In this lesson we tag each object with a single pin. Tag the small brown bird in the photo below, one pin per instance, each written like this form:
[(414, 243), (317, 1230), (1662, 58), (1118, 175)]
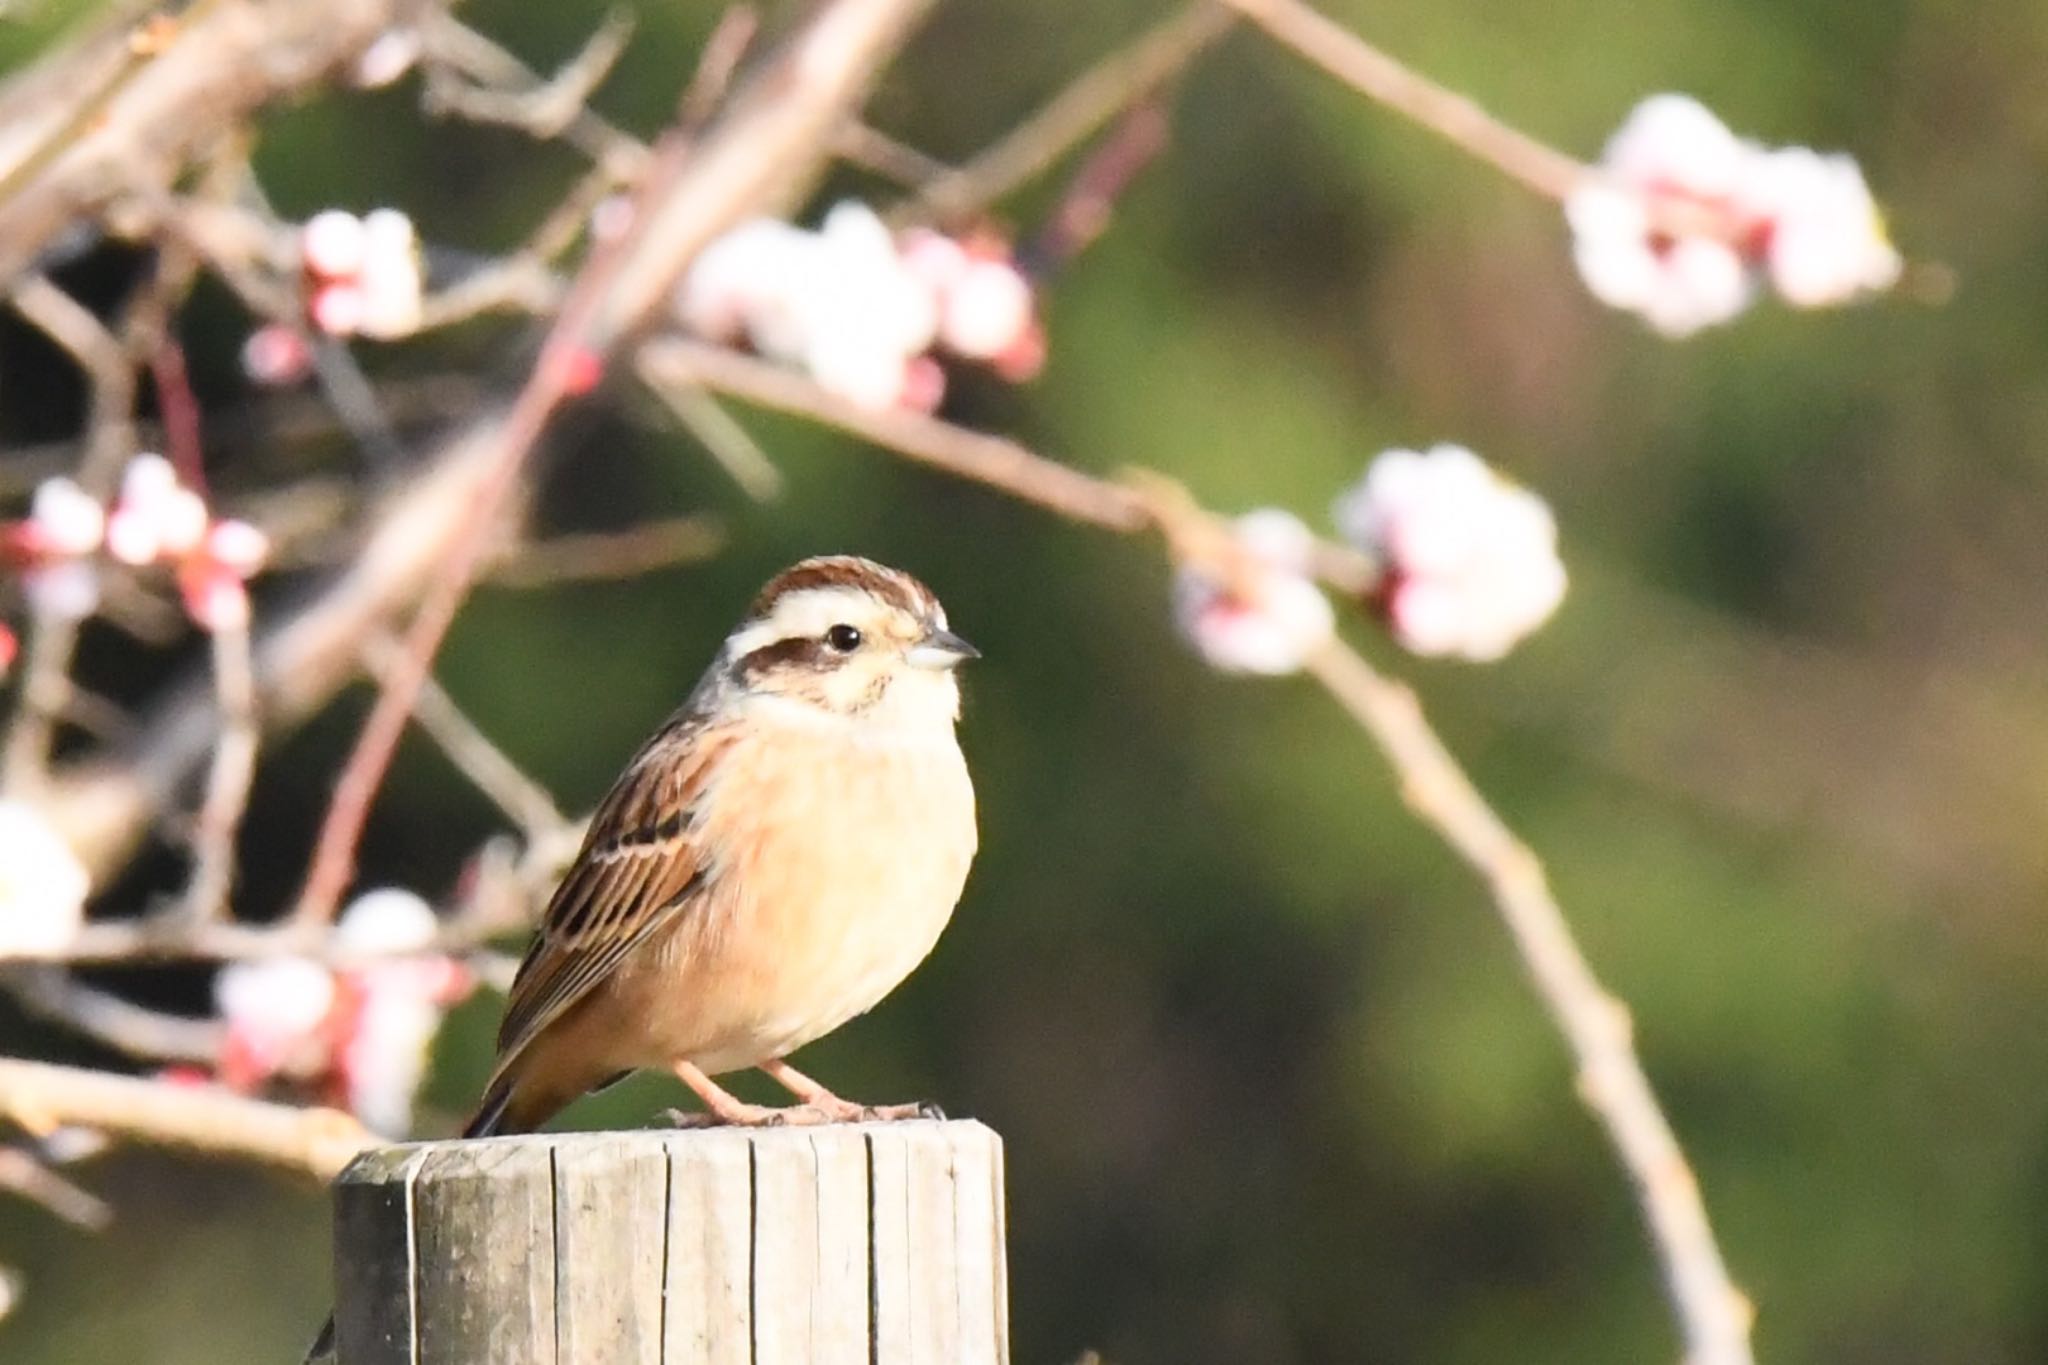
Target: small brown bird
[(774, 860)]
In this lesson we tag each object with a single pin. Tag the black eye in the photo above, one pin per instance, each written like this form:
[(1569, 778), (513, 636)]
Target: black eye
[(845, 639)]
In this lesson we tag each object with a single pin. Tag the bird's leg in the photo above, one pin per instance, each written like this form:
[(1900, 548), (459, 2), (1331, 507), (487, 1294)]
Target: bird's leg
[(727, 1107), (817, 1097)]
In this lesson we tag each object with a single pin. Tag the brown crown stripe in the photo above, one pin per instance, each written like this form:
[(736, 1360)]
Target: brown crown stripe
[(893, 586)]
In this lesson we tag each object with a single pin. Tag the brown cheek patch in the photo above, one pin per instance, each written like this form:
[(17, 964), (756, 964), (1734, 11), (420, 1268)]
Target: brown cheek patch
[(799, 651)]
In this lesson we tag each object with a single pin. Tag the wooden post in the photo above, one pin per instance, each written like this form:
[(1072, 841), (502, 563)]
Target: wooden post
[(850, 1244)]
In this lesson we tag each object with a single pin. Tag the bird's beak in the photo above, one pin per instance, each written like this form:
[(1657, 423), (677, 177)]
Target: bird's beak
[(941, 649)]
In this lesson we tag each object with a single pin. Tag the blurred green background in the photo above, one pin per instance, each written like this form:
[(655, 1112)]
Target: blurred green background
[(1273, 1086)]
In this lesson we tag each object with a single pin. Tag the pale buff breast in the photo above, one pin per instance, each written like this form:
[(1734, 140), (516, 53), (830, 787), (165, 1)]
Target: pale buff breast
[(816, 914)]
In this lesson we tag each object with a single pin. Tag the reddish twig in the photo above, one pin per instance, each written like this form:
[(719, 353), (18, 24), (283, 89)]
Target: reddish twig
[(179, 408)]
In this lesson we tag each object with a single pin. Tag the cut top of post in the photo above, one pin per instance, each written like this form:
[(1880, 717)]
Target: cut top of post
[(856, 1244)]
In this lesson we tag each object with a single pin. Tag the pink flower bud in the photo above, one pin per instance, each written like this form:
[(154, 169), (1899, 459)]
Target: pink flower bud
[(275, 355), (338, 309), (214, 597), (237, 546)]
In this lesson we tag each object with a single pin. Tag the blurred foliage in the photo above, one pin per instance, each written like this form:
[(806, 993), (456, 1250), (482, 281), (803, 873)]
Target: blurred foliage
[(1272, 1085)]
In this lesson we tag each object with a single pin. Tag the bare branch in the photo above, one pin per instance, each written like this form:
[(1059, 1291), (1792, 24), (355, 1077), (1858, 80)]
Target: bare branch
[(717, 431), (106, 118), (22, 1174), (123, 1025), (524, 800), (1121, 80), (869, 148), (38, 1097), (509, 92), (514, 98), (597, 555), (1713, 1314), (227, 787), (1459, 120)]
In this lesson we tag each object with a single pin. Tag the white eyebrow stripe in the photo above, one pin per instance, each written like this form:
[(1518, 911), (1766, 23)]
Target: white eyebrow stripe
[(810, 612)]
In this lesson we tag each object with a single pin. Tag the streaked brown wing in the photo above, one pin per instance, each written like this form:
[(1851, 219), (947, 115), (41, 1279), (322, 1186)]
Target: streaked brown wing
[(638, 868)]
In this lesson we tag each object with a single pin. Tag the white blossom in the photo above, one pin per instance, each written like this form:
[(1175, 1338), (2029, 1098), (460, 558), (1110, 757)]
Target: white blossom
[(1683, 220), (387, 921), (156, 517), (1825, 243), (1469, 559), (43, 885), (1266, 621), (67, 519), (276, 1012), (1678, 286), (365, 275)]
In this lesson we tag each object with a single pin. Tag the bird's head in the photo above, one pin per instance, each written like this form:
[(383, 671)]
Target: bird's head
[(844, 636)]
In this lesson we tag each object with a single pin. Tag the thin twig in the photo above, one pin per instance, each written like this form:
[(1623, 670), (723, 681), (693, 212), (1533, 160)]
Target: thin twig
[(736, 452), (594, 556), (511, 92), (1123, 79), (524, 800), (871, 149), (46, 672), (121, 1024), (993, 460), (29, 1178), (227, 785), (1713, 1314), (1324, 43), (1083, 212), (38, 1098)]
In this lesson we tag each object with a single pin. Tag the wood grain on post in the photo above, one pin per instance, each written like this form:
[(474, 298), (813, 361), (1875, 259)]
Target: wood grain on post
[(863, 1244)]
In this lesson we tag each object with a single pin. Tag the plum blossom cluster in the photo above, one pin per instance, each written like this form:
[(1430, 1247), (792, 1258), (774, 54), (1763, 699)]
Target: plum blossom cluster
[(865, 312), (1468, 567), (1468, 559), (156, 521), (356, 1036), (1685, 221), (1263, 614), (43, 885), (362, 274)]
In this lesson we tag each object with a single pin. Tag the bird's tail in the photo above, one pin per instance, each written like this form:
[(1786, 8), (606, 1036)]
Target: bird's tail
[(490, 1120)]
